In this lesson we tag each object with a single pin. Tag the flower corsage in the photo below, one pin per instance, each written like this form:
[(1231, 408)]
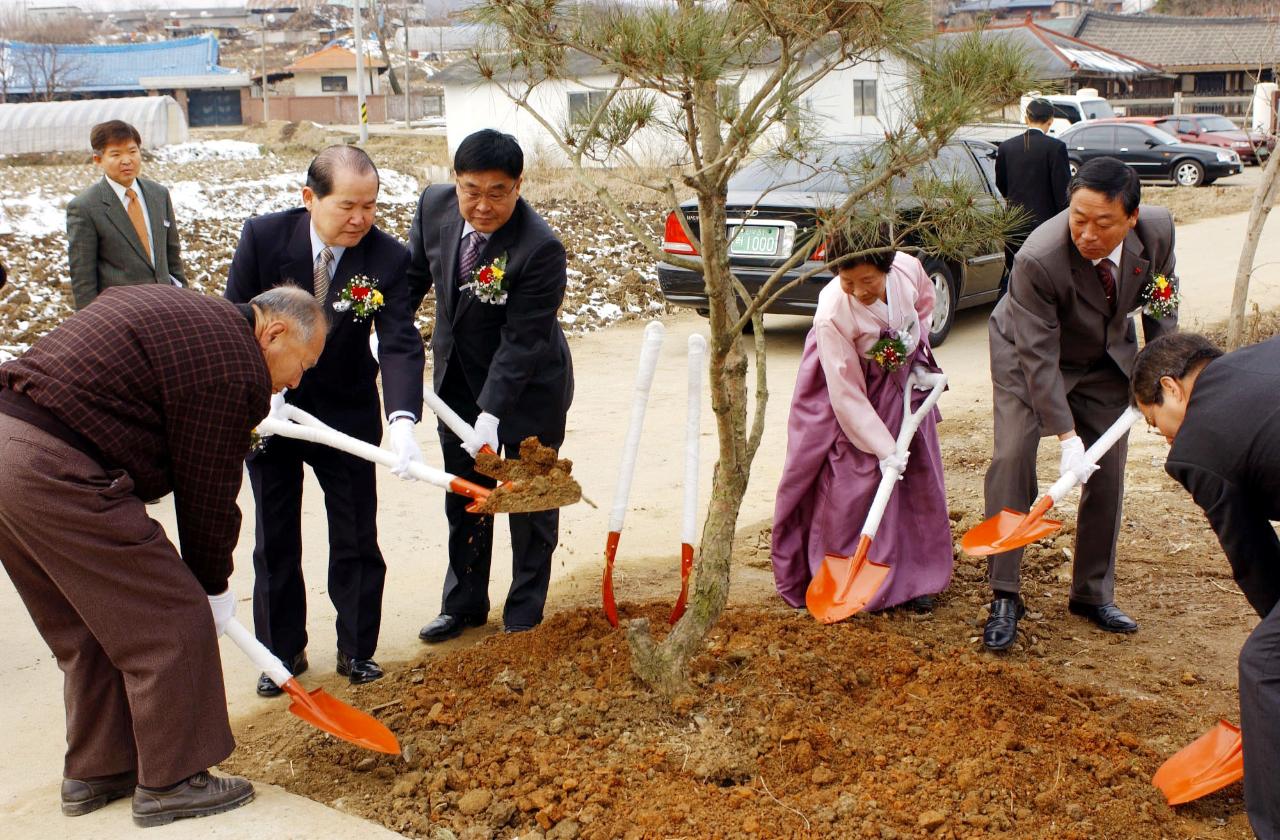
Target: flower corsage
[(1160, 296), (361, 296), (890, 353), (257, 443), (488, 282)]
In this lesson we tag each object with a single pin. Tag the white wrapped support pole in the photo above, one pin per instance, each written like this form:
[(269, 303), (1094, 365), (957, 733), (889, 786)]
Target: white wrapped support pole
[(649, 349), (692, 426)]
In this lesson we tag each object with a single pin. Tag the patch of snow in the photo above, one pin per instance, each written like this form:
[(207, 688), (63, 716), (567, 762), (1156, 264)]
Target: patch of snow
[(208, 150)]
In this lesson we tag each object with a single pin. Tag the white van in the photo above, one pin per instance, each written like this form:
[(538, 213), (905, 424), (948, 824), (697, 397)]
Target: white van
[(1071, 108)]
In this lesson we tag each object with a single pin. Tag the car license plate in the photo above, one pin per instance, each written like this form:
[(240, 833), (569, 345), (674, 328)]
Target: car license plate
[(754, 240)]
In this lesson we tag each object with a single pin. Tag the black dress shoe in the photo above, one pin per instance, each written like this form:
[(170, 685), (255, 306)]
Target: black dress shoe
[(444, 627), (202, 795), (83, 796), (359, 671), (1002, 625), (297, 666), (921, 605), (1107, 616)]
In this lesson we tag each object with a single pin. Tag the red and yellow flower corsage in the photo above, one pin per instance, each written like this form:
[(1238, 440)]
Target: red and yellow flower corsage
[(1160, 296), (488, 282), (361, 296)]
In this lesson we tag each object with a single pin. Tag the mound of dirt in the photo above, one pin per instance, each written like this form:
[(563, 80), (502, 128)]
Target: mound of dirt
[(797, 730)]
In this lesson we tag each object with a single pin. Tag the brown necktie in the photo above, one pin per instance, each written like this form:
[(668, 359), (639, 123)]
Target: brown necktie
[(139, 223), (321, 274), (1107, 279)]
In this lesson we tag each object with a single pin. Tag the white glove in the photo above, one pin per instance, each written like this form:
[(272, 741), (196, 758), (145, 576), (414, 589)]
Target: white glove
[(486, 434), (894, 461), (924, 380), (1073, 460), (224, 608), (405, 446), (277, 405)]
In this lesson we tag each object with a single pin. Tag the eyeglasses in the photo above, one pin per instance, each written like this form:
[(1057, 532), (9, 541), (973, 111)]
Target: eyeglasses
[(494, 194)]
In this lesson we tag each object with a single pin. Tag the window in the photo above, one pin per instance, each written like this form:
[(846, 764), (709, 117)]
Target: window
[(335, 84), (954, 163), (864, 97), (1093, 138), (1130, 138), (583, 104)]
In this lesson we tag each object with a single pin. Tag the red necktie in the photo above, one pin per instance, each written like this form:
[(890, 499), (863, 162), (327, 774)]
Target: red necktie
[(1107, 279)]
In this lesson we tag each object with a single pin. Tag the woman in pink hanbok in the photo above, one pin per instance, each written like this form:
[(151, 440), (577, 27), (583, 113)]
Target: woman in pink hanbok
[(842, 433)]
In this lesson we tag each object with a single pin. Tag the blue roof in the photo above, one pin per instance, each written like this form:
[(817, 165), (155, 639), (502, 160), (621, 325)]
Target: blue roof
[(90, 68)]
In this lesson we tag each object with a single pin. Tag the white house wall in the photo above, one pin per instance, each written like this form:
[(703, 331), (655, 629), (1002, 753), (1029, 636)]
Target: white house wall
[(307, 83)]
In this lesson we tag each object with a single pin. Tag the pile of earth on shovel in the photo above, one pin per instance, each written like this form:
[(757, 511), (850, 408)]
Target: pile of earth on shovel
[(792, 729)]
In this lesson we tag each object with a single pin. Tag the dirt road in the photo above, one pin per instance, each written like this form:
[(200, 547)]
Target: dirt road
[(413, 530)]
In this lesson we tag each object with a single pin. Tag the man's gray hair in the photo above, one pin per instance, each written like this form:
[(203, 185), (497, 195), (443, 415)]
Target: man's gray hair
[(294, 304)]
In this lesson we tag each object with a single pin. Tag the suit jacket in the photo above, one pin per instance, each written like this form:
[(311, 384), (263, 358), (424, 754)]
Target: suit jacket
[(165, 384), (342, 388), (513, 356), (1227, 454), (1055, 324), (1032, 172), (104, 250)]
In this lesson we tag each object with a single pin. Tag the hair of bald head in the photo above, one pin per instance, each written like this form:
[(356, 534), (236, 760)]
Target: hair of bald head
[(323, 170), (294, 305)]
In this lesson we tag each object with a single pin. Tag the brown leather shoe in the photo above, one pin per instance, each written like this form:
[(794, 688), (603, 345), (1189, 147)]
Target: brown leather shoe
[(83, 796), (202, 795)]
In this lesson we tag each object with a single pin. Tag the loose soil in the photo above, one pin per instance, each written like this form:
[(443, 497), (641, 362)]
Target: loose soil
[(892, 725), (538, 480)]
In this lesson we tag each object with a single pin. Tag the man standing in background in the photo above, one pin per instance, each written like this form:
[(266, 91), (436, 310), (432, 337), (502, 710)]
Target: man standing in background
[(1032, 172), (121, 230)]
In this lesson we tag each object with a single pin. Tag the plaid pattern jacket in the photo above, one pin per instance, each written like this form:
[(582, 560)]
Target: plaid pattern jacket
[(167, 384)]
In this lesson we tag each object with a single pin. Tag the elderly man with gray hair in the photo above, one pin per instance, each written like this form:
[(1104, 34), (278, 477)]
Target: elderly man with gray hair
[(148, 391)]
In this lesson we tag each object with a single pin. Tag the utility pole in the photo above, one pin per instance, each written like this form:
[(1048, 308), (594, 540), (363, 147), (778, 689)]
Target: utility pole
[(363, 114), (405, 20), (264, 17)]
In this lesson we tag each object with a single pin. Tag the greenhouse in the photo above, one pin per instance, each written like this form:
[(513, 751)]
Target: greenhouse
[(36, 127)]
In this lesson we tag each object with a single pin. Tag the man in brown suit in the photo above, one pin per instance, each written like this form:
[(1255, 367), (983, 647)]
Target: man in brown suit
[(121, 231), (1063, 343), (151, 390)]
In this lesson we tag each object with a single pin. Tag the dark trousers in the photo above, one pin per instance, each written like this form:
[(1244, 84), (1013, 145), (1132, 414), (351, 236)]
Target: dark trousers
[(356, 568), (1260, 725), (533, 535), (1096, 401), (125, 618)]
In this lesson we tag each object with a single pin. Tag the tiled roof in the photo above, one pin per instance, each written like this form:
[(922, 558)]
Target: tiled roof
[(1171, 42), (333, 57), (89, 68), (1058, 56)]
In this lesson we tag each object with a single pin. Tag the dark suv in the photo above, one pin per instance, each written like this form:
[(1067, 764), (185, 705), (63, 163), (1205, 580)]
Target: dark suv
[(772, 212), (1149, 151)]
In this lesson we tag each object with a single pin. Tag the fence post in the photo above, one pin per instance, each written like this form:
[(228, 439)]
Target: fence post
[(1177, 102)]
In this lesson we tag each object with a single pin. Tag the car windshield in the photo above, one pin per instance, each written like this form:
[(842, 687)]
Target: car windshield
[(830, 170), (1097, 109), (1216, 124)]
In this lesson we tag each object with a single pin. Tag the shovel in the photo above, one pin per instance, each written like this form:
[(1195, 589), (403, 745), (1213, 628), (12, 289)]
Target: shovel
[(316, 707), (653, 334), (302, 426), (845, 585), (1010, 529), (692, 421), (1209, 763)]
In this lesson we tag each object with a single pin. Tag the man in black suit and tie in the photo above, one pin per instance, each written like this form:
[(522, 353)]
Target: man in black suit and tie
[(1221, 416), (121, 231), (324, 247), (1032, 172), (501, 362)]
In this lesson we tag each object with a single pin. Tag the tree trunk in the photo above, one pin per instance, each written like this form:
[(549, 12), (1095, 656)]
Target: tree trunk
[(664, 665), (378, 22), (1263, 198)]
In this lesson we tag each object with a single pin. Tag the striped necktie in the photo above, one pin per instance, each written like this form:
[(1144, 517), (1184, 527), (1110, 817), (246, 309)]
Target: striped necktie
[(471, 248), (321, 274)]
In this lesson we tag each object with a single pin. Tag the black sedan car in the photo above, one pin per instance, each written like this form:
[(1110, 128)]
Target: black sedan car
[(772, 213), (1150, 151)]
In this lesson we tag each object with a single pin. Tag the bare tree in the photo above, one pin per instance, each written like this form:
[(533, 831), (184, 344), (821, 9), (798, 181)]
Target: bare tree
[(721, 83), (49, 70), (382, 32)]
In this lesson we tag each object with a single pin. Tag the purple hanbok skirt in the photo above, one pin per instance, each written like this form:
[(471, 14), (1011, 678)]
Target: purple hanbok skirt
[(828, 485)]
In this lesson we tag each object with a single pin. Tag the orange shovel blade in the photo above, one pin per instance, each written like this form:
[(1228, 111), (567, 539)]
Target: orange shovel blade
[(323, 711), (686, 566), (844, 585), (610, 552), (1008, 530), (1209, 763)]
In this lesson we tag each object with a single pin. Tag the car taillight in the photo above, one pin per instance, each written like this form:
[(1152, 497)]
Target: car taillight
[(674, 240), (820, 253)]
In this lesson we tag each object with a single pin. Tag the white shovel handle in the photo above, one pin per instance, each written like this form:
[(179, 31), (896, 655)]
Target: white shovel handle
[(653, 334), (1117, 430), (910, 422), (456, 424), (693, 421), (257, 652), (312, 430)]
